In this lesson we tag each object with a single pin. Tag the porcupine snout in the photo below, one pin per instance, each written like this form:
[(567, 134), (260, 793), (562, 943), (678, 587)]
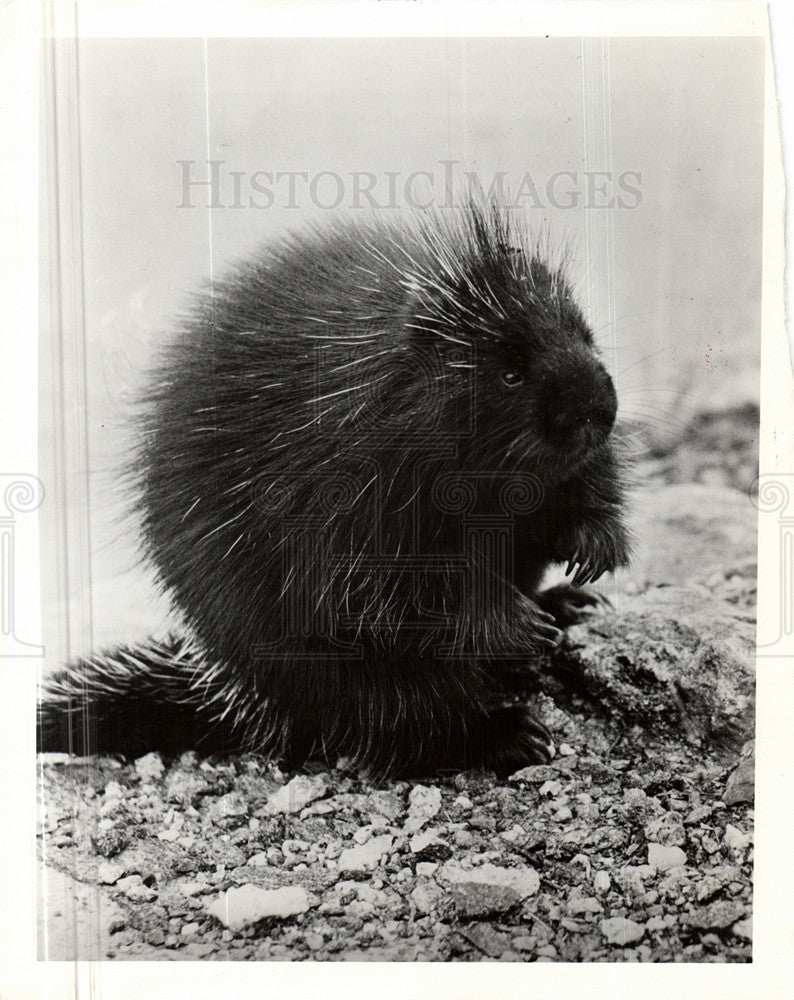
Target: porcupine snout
[(580, 404)]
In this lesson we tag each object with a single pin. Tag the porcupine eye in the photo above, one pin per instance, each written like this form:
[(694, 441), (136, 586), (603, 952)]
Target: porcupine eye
[(512, 378)]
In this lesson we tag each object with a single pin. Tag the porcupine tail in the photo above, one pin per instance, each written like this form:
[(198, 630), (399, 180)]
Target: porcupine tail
[(156, 695)]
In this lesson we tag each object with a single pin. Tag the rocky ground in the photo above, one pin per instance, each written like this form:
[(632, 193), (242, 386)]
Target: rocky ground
[(635, 844)]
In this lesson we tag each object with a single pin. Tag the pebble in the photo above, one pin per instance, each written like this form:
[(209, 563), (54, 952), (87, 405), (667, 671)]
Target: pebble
[(421, 841), (734, 839), (198, 949), (424, 803), (463, 802), (133, 888), (425, 869), (621, 931), (248, 904), (601, 883), (740, 786), (109, 873), (427, 897), (563, 815), (150, 767), (525, 881), (535, 774), (514, 834), (667, 829), (717, 916), (258, 860), (698, 814), (524, 942), (296, 794), (663, 858), (577, 907), (475, 900), (744, 929), (365, 856), (489, 941)]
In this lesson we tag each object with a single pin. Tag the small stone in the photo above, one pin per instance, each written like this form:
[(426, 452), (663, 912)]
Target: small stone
[(535, 774), (525, 881), (248, 904), (717, 916), (367, 856), (199, 949), (740, 786), (109, 843), (546, 951), (193, 888), (258, 860), (664, 858), (744, 929), (314, 941), (424, 803), (113, 790), (734, 839), (551, 788), (563, 815), (667, 829), (476, 901), (422, 840), (487, 939), (190, 930), (296, 794), (601, 883), (133, 888), (108, 873), (463, 802), (620, 931), (566, 750), (463, 838), (656, 924), (577, 907), (524, 942), (698, 814), (150, 767), (425, 869), (514, 834), (427, 897)]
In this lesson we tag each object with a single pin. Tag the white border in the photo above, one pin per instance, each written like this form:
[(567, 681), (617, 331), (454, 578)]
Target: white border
[(770, 975)]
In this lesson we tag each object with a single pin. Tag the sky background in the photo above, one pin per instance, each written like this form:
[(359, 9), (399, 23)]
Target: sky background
[(684, 114)]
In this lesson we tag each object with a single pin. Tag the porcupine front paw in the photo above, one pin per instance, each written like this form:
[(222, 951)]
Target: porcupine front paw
[(569, 605), (538, 626), (596, 549), (514, 739)]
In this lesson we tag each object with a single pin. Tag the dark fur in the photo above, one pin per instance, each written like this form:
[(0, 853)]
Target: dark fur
[(352, 507)]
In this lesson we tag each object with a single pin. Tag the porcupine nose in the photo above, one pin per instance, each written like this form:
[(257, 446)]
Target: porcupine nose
[(603, 408), (583, 407)]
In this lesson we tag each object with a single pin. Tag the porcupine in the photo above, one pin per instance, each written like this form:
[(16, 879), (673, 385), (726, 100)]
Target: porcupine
[(356, 462)]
